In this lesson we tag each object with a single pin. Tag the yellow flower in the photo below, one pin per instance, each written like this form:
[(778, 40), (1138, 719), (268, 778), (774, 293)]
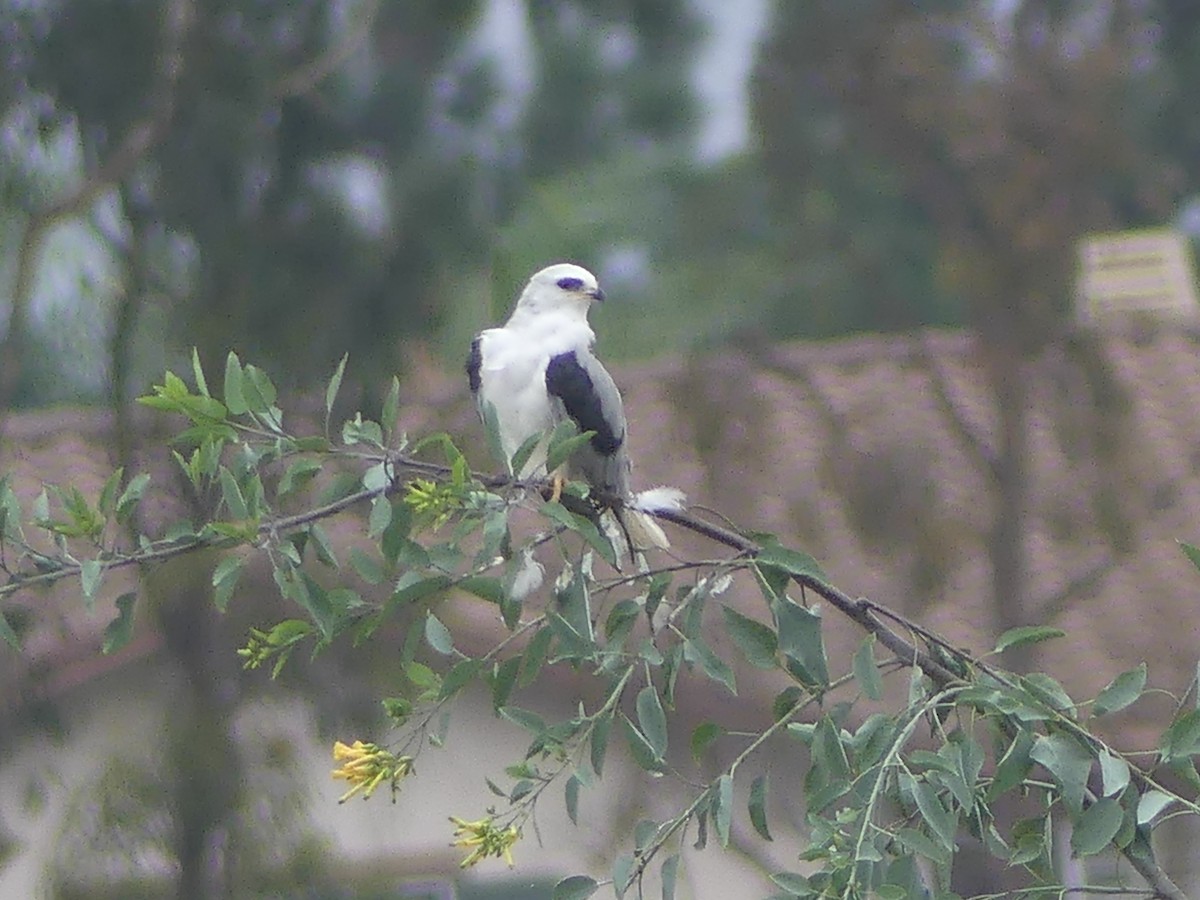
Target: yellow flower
[(485, 839), (366, 766), (432, 503)]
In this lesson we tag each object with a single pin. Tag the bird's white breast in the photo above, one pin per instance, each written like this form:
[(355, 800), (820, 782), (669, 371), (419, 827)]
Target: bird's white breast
[(512, 376)]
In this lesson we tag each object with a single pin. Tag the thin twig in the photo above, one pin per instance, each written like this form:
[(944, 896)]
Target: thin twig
[(304, 78)]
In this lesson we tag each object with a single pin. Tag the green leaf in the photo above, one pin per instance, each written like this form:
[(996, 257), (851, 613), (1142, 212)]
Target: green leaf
[(331, 391), (575, 887), (640, 747), (376, 478), (313, 599), (1068, 762), (621, 619), (703, 735), (865, 670), (522, 454), (322, 546), (421, 675), (1121, 691), (1045, 689), (413, 587), (923, 845), (485, 587), (235, 402), (395, 539), (571, 796), (534, 657), (108, 493), (574, 606), (793, 883), (956, 777), (723, 808), (758, 807), (701, 828), (670, 871), (380, 517), (1182, 738), (361, 431), (652, 720), (438, 636), (712, 665), (461, 674), (258, 392), (1095, 829), (91, 571), (942, 823), (231, 493), (120, 630), (586, 529), (131, 496), (793, 562), (756, 641), (561, 447), (369, 568), (198, 374), (7, 633), (644, 833), (599, 742), (925, 759), (828, 752), (872, 740), (1151, 804), (504, 678), (390, 414), (800, 638), (524, 718), (224, 580), (622, 870), (1030, 840), (1191, 552), (786, 701), (1027, 634), (1114, 772), (1185, 769)]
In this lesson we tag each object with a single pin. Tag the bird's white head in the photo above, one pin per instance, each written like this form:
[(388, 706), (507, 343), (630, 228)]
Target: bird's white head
[(561, 287)]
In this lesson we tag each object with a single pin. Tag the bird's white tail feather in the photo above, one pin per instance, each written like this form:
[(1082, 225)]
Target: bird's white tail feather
[(643, 532), (634, 527), (659, 499)]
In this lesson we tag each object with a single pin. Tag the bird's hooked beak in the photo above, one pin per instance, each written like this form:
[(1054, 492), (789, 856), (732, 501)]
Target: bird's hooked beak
[(596, 294)]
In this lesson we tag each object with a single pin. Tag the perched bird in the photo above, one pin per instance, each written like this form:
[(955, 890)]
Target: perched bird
[(538, 370)]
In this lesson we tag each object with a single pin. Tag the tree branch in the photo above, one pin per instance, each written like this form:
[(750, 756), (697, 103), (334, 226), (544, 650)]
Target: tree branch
[(304, 78), (859, 611), (973, 440), (140, 138)]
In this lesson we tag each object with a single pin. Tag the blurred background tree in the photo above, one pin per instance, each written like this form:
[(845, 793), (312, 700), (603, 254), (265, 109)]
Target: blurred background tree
[(295, 179), (311, 175)]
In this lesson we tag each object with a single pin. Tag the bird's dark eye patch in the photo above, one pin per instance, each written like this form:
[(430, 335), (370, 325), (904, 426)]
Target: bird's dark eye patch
[(570, 284)]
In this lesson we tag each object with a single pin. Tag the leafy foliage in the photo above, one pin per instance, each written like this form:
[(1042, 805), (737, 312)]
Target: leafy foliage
[(890, 783)]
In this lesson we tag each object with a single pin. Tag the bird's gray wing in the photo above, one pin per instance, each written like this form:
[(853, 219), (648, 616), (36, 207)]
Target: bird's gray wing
[(584, 392), (474, 364)]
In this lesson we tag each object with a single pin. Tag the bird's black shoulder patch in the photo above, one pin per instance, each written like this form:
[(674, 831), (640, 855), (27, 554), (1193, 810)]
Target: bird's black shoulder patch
[(474, 363), (567, 380)]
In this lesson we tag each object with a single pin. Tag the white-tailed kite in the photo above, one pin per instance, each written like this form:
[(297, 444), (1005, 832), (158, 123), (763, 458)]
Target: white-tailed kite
[(538, 370)]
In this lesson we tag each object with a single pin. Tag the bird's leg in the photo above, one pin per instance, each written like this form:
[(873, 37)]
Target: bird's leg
[(557, 480)]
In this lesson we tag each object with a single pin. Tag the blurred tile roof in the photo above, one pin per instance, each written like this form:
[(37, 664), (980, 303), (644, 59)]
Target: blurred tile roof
[(869, 453)]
